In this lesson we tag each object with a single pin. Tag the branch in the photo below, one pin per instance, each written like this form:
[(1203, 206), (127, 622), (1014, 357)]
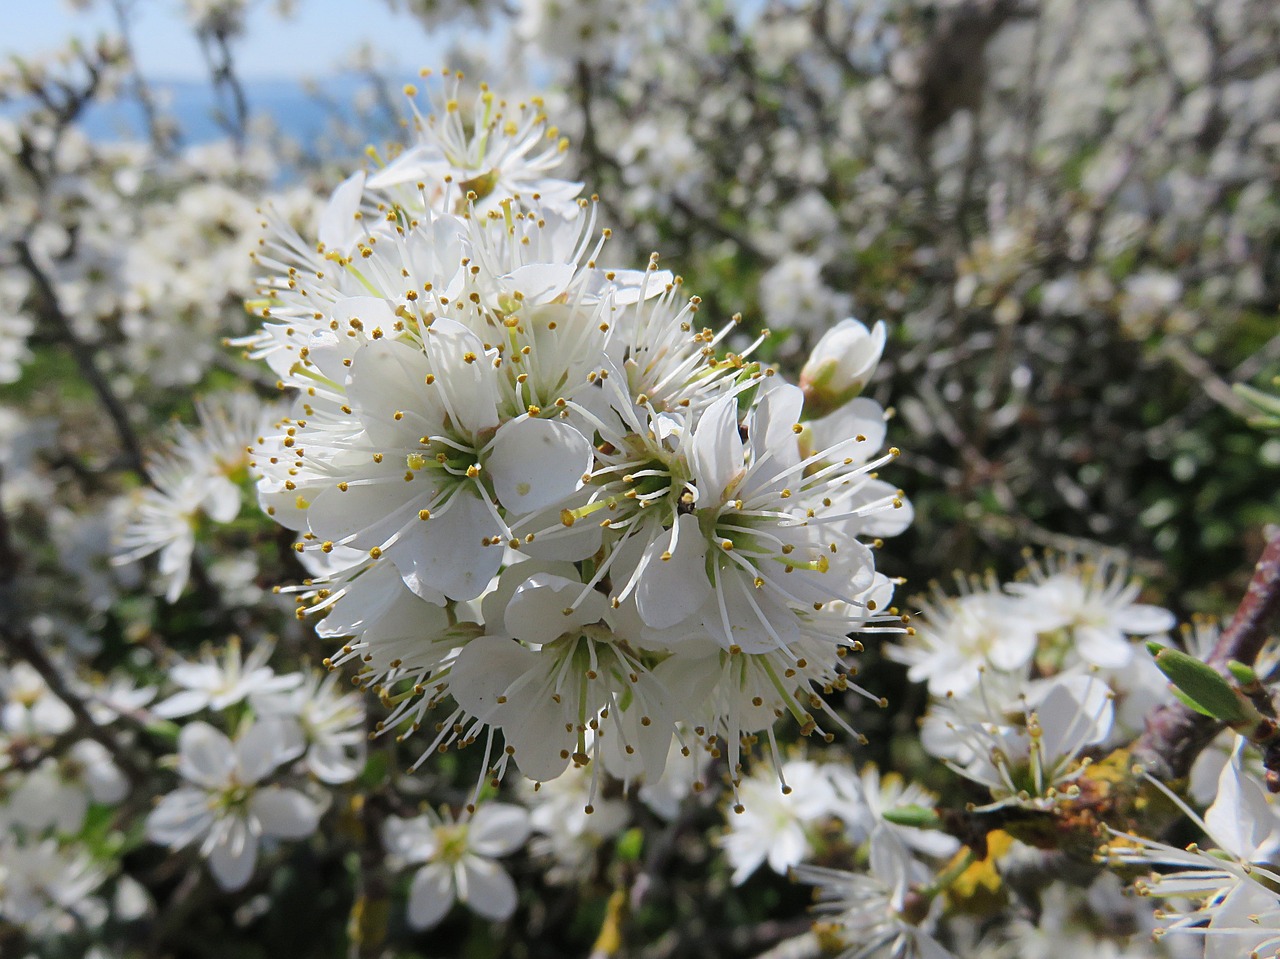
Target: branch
[(1176, 734), (52, 308)]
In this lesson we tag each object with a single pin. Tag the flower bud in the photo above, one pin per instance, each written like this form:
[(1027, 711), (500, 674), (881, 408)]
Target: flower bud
[(840, 365)]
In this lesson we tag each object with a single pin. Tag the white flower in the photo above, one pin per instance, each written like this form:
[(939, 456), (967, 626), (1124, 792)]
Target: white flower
[(330, 721), (840, 365), (458, 858), (45, 888), (564, 831), (793, 295), (1227, 894), (490, 148), (1035, 761), (774, 814), (955, 639), (217, 685), (29, 707), (225, 807), (1095, 602), (864, 799), (880, 913), (194, 477)]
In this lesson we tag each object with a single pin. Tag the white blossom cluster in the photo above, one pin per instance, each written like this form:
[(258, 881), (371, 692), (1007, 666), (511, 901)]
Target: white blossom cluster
[(1024, 678), (552, 512)]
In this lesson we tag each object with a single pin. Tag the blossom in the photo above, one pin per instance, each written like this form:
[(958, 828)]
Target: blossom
[(330, 723), (489, 149), (217, 685), (840, 365), (458, 860), (225, 807), (774, 814), (881, 912), (1034, 761), (955, 639), (1095, 602)]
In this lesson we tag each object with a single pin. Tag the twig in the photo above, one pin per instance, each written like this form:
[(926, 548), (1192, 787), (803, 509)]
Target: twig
[(52, 308)]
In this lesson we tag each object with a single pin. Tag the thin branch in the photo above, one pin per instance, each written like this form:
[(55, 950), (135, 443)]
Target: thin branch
[(52, 308)]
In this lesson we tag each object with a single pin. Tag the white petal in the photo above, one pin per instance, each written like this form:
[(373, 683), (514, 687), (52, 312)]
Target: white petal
[(1240, 819), (232, 860), (498, 829), (285, 813), (388, 377), (484, 670), (338, 227), (447, 553), (430, 895), (1103, 647), (412, 840), (717, 451), (538, 282), (536, 613), (182, 704), (180, 818), (1143, 620), (260, 748), (537, 463), (670, 590), (205, 756), (489, 890), (468, 387)]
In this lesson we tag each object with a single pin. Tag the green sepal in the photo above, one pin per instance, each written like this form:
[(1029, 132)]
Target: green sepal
[(1203, 685)]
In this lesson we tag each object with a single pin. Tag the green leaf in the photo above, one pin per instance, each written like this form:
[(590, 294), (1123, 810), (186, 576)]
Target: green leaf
[(919, 817), (1203, 685)]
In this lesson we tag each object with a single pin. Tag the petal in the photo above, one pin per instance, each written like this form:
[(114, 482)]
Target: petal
[(1103, 647), (674, 583), (489, 890), (1240, 819), (260, 749), (1143, 620), (536, 613), (717, 451), (338, 227), (537, 463), (485, 670), (285, 813), (465, 380), (205, 756), (498, 829), (387, 378), (448, 551), (430, 895), (182, 704), (232, 860), (180, 818)]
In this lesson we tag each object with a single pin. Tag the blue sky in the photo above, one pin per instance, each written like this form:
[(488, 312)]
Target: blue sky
[(312, 43)]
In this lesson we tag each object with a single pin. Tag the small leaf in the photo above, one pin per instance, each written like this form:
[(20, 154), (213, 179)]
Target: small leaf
[(1244, 675), (919, 817), (1203, 685)]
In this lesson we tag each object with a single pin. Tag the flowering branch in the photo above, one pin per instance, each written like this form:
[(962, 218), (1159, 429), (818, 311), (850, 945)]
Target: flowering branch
[(1175, 734)]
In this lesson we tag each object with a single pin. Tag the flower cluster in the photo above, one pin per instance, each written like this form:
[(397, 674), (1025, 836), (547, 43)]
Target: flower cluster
[(543, 502)]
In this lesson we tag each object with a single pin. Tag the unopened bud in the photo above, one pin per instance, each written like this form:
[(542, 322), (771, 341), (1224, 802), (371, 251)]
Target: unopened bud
[(840, 365)]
